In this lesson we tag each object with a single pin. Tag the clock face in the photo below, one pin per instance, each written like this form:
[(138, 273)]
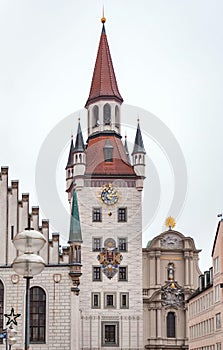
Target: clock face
[(109, 195)]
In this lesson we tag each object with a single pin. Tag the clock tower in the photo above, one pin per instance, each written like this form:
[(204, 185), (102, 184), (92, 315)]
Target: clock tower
[(108, 190)]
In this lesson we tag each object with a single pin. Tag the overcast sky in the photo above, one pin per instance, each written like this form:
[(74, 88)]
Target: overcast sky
[(168, 59)]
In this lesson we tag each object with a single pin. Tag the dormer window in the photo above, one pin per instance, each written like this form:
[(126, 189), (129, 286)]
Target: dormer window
[(108, 151), (107, 114)]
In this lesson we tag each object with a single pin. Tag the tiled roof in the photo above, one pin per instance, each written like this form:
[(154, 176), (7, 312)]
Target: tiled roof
[(95, 163), (104, 84)]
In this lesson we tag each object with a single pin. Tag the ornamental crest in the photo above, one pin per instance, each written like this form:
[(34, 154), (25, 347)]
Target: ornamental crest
[(172, 295), (110, 258)]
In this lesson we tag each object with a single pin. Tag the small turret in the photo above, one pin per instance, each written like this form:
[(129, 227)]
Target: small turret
[(79, 159), (75, 240), (69, 167), (127, 149), (138, 157)]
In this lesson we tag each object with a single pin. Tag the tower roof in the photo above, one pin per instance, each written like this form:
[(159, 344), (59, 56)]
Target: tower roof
[(95, 162), (79, 143), (75, 227), (70, 157), (138, 145), (104, 84)]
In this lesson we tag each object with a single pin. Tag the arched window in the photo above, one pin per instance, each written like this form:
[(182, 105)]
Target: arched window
[(95, 116), (1, 308), (37, 315), (107, 114), (117, 117), (170, 323)]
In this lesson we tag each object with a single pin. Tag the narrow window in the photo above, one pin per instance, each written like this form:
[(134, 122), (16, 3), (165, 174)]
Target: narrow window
[(122, 243), (216, 265), (122, 276), (107, 114), (124, 300), (95, 116), (96, 303), (171, 325), (96, 273), (117, 117), (12, 232), (96, 244), (37, 315), (218, 320), (122, 214), (96, 215)]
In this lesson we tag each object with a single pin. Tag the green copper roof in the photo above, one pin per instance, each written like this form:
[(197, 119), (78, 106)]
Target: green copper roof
[(75, 227)]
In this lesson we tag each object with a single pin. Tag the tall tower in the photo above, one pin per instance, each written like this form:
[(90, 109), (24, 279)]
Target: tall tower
[(109, 194)]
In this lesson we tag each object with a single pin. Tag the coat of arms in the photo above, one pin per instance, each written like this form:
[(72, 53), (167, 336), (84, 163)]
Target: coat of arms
[(110, 258)]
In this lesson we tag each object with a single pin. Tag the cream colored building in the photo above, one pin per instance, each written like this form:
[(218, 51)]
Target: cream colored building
[(205, 305), (170, 276)]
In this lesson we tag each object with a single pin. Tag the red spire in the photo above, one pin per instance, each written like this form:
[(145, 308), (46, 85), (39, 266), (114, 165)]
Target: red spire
[(104, 84)]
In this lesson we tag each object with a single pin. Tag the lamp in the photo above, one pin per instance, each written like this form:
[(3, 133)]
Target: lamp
[(27, 265)]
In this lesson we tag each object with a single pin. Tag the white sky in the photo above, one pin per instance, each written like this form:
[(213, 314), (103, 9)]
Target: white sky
[(168, 60)]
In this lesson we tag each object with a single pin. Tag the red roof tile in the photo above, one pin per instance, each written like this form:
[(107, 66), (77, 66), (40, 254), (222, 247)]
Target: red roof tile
[(95, 163), (104, 84)]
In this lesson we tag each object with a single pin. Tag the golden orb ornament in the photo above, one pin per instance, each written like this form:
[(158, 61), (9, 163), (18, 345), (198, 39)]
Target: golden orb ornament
[(103, 20), (170, 222)]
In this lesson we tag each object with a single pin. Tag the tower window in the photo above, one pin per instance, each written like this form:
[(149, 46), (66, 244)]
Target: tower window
[(97, 215), (117, 117), (96, 244), (95, 300), (122, 244), (95, 116), (109, 300), (171, 325), (124, 300), (96, 273), (123, 273), (122, 214), (37, 315), (107, 114)]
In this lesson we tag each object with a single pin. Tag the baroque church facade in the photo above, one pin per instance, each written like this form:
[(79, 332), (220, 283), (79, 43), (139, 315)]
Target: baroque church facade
[(103, 290)]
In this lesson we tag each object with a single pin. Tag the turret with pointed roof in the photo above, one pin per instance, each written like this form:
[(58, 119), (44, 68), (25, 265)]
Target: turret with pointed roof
[(104, 99), (138, 154), (75, 227)]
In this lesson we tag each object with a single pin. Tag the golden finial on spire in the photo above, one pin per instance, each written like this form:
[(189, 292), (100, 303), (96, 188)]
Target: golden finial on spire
[(103, 19), (170, 222)]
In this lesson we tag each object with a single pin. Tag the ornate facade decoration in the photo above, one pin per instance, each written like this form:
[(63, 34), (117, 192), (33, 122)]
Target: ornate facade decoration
[(171, 241), (110, 258), (172, 295)]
